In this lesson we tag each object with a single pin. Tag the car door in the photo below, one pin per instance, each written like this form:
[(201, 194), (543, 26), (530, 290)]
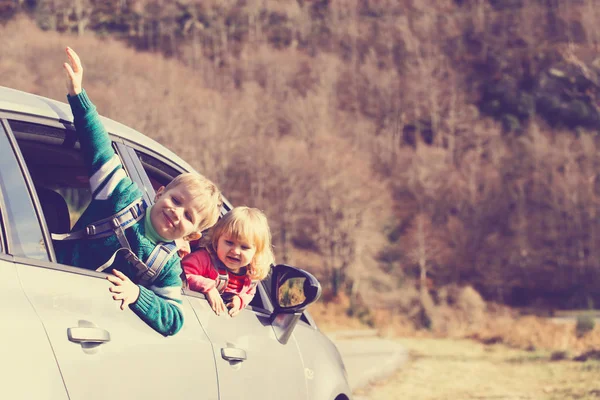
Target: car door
[(250, 361), (102, 352), (247, 350), (25, 352)]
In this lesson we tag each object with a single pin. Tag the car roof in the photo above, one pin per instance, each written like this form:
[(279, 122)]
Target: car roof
[(20, 102)]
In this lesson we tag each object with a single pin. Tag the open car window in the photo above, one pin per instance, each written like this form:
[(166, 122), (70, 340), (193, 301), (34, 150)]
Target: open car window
[(55, 164)]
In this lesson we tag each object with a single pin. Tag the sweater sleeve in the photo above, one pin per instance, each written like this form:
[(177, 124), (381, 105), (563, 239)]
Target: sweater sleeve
[(160, 305), (199, 271), (103, 165)]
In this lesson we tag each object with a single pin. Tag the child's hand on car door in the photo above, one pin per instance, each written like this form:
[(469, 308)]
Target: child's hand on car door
[(124, 289), (235, 305), (74, 72), (216, 302)]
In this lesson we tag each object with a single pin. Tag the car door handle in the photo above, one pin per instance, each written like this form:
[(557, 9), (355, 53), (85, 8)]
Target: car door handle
[(88, 335), (233, 354)]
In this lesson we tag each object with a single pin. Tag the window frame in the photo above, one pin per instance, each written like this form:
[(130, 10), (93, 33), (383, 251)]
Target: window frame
[(51, 263)]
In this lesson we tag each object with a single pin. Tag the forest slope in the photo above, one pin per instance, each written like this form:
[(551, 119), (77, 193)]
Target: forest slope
[(402, 149)]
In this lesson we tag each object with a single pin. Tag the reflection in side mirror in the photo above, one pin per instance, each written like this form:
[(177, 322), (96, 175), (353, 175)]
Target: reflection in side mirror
[(293, 290)]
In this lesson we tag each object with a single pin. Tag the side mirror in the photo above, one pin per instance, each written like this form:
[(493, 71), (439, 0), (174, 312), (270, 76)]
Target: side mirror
[(292, 290)]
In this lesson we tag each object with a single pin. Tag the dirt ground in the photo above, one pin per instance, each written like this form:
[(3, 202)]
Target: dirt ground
[(464, 369)]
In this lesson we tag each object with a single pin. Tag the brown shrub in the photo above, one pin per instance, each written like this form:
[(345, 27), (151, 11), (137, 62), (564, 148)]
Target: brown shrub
[(459, 312), (535, 332), (472, 305)]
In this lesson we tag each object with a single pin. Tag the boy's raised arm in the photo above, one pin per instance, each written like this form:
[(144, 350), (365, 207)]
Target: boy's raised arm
[(95, 143)]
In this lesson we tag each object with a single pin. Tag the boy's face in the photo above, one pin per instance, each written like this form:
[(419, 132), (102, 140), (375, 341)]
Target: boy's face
[(174, 214), (235, 254)]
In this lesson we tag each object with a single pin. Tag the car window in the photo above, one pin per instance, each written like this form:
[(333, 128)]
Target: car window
[(55, 164), (25, 238), (159, 173)]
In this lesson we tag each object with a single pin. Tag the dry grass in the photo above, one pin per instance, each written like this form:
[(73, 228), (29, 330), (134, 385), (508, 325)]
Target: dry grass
[(538, 333), (524, 358), (331, 316), (461, 369), (497, 325)]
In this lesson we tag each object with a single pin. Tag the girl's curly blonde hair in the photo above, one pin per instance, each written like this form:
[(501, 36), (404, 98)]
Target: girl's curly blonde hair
[(246, 224)]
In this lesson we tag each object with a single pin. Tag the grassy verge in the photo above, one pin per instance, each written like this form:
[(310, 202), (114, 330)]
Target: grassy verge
[(464, 369)]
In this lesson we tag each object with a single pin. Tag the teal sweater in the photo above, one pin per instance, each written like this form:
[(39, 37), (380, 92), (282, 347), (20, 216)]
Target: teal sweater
[(112, 190)]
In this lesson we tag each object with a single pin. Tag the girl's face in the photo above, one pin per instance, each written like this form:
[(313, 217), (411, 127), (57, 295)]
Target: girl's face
[(235, 254)]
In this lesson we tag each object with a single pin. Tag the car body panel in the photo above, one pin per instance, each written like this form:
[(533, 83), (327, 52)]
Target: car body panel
[(33, 372), (251, 332), (128, 363), (325, 371)]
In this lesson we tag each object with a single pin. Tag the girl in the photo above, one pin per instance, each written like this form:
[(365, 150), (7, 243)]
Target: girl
[(236, 255)]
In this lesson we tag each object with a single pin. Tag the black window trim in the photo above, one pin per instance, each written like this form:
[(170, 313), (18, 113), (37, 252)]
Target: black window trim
[(35, 119)]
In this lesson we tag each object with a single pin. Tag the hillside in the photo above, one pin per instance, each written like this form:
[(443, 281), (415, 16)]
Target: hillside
[(402, 150)]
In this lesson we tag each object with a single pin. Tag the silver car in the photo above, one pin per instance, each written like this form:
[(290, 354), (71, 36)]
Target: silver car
[(65, 338)]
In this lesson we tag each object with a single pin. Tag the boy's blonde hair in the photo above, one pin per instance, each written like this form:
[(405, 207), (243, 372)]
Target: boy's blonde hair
[(206, 194), (251, 225)]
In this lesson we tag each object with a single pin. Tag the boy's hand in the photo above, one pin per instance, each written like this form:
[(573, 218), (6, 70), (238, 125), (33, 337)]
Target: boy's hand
[(126, 291), (74, 72), (235, 306), (215, 301)]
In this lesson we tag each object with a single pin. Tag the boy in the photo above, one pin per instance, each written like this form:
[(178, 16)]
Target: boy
[(188, 205)]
